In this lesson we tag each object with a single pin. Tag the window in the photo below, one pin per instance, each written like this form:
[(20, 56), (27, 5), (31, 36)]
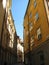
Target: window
[(32, 40), (36, 16), (11, 44), (35, 3), (39, 36), (30, 16), (30, 26)]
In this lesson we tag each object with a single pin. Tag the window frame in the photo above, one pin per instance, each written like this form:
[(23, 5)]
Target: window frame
[(30, 26), (32, 40), (35, 3), (39, 33), (30, 15), (36, 16)]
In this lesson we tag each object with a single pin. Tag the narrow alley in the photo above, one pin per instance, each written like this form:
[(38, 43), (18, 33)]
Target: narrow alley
[(24, 32)]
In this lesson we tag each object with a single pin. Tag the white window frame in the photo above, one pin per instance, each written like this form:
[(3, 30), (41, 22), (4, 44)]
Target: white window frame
[(38, 32), (32, 40), (30, 26)]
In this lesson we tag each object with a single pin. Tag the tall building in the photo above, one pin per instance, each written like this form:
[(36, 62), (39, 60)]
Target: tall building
[(36, 32), (8, 36)]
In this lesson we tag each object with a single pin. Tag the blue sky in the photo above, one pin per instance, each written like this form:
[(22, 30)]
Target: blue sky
[(18, 12)]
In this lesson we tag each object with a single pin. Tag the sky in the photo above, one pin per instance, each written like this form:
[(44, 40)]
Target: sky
[(18, 12)]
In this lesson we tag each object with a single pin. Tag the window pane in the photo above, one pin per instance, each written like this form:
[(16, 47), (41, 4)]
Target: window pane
[(39, 36), (36, 16), (38, 31), (30, 26), (30, 16), (32, 40), (35, 4)]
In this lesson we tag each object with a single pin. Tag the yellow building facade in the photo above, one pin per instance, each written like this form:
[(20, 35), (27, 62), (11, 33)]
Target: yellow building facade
[(36, 25)]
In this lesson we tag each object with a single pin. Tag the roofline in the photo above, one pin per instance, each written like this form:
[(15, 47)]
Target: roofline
[(27, 9), (13, 21)]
